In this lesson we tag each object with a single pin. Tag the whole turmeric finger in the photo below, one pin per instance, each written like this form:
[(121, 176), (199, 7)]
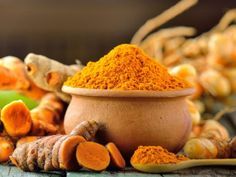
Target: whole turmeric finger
[(6, 148), (117, 160), (92, 156), (87, 129), (27, 139), (16, 118), (67, 156)]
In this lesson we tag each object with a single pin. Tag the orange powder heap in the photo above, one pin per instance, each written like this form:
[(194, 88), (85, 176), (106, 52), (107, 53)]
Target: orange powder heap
[(126, 67), (155, 155)]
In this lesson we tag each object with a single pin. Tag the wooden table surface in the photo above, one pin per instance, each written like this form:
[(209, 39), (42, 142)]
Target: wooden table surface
[(11, 171)]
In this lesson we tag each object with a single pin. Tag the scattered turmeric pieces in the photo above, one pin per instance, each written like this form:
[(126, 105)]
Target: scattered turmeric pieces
[(126, 67), (16, 119), (155, 155)]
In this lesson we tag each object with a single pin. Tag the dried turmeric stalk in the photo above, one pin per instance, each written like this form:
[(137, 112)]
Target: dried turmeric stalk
[(16, 118), (6, 148), (92, 156)]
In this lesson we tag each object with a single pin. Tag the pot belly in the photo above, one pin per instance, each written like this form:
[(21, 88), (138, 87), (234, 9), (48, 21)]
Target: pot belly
[(130, 122)]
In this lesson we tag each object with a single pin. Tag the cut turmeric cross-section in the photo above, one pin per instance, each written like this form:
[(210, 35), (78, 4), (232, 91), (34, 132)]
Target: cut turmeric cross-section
[(92, 156), (16, 118)]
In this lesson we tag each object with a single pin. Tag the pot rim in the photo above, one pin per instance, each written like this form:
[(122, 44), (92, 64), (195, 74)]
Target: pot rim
[(126, 93)]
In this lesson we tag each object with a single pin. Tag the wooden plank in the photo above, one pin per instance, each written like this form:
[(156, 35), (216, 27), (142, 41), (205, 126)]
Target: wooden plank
[(11, 171), (127, 173)]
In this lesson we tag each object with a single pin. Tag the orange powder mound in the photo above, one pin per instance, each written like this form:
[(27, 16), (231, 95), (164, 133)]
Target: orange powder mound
[(126, 67), (155, 155)]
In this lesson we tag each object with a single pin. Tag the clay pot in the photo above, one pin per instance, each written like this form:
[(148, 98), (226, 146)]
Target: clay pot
[(132, 118)]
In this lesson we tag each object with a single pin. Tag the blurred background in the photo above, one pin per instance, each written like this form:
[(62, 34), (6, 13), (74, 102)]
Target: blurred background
[(86, 30)]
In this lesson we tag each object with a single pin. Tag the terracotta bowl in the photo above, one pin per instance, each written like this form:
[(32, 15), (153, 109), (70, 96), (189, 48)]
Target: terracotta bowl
[(132, 118)]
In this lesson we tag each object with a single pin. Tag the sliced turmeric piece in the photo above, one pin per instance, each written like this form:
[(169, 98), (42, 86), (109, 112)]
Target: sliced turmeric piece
[(27, 139), (92, 156), (16, 118), (67, 153), (117, 160), (41, 154), (6, 148), (55, 152), (32, 155), (48, 152)]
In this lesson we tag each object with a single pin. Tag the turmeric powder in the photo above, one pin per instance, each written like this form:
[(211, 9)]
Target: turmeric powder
[(126, 67), (155, 155)]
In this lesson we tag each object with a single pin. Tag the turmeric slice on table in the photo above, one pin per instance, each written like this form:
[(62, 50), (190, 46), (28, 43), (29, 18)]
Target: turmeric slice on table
[(16, 118), (6, 148), (92, 156), (117, 160), (66, 156)]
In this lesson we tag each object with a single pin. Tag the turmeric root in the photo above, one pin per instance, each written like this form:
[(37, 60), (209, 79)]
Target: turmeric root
[(117, 160), (92, 156), (16, 119), (67, 157), (48, 74), (6, 148), (205, 148), (211, 129), (27, 139), (23, 83), (47, 117), (49, 152), (87, 129), (8, 79)]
